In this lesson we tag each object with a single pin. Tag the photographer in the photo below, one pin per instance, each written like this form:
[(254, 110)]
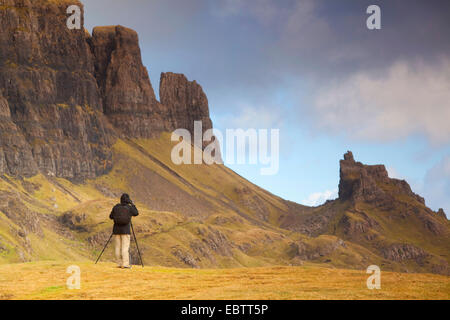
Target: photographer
[(121, 214)]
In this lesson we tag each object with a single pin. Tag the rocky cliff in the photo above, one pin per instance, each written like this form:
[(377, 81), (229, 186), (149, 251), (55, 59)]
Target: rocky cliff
[(66, 96), (128, 98), (359, 182), (188, 100), (47, 82), (382, 214)]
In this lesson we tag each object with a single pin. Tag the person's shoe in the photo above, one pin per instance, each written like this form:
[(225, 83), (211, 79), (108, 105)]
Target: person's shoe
[(120, 267), (127, 267)]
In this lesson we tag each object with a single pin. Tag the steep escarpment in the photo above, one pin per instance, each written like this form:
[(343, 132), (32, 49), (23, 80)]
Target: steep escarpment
[(66, 96), (189, 102), (129, 101), (370, 186), (47, 82), (15, 152), (128, 98), (359, 182)]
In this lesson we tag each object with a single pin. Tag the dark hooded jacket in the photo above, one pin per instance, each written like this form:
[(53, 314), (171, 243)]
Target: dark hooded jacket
[(126, 202)]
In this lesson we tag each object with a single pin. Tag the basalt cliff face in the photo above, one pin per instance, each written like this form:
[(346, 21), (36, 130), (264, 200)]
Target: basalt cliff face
[(80, 125), (47, 83), (66, 96), (188, 100), (128, 98), (359, 182)]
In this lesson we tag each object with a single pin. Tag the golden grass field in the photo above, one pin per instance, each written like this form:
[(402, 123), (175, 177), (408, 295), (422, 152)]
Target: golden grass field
[(47, 280)]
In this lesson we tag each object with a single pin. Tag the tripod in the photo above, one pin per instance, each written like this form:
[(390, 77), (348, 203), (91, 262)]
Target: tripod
[(135, 240)]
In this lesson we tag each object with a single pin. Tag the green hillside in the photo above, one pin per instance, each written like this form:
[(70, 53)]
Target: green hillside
[(194, 216)]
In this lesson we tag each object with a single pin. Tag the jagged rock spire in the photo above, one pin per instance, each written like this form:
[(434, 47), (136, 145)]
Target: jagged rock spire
[(359, 182), (349, 156)]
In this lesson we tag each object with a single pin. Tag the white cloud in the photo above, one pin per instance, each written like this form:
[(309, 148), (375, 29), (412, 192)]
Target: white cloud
[(319, 198), (408, 99), (393, 173)]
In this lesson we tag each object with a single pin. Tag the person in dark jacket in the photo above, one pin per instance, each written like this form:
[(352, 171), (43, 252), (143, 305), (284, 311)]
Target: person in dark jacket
[(121, 214)]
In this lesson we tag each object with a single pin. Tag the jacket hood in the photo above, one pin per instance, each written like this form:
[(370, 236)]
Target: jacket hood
[(125, 198)]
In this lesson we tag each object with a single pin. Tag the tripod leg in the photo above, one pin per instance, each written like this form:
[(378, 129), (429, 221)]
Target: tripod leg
[(104, 248), (137, 246)]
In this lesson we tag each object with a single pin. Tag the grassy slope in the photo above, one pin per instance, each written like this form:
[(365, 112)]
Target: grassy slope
[(47, 280), (177, 204), (139, 173)]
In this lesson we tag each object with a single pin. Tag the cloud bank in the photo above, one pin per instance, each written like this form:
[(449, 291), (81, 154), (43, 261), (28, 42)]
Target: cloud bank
[(318, 198), (406, 100)]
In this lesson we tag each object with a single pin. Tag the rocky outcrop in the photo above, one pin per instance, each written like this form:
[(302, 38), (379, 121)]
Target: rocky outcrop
[(74, 221), (66, 96), (358, 224), (319, 247), (47, 80), (441, 213), (186, 101), (184, 256), (400, 252), (377, 213), (359, 182), (128, 98), (215, 240)]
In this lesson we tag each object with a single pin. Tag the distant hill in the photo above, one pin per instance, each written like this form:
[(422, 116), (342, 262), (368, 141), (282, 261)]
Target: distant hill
[(81, 124)]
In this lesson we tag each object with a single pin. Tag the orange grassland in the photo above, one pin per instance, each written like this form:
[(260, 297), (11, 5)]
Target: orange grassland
[(47, 280)]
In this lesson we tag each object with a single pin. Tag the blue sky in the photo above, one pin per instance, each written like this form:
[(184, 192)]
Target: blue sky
[(313, 70)]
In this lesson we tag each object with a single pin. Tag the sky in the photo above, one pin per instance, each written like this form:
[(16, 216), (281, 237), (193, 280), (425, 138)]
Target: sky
[(313, 70)]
